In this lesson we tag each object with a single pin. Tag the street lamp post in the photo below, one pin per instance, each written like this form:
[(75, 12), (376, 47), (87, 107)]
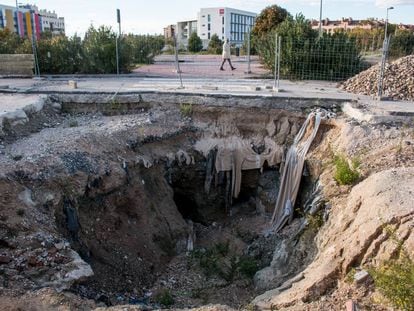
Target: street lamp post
[(386, 22), (320, 20), (17, 18)]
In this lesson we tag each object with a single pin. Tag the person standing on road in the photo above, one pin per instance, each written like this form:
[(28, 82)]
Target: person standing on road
[(226, 55)]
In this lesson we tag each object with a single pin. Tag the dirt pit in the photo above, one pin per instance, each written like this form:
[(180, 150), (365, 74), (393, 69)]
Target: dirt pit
[(126, 209)]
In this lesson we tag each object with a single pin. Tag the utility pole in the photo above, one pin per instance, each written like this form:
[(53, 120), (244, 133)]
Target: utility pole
[(118, 44), (320, 21), (17, 18), (386, 23)]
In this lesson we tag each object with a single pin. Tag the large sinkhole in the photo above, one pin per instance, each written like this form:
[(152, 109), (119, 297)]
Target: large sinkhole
[(166, 228)]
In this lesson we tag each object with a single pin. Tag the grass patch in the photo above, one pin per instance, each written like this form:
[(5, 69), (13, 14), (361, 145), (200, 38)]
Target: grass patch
[(186, 110), (73, 123), (345, 173), (164, 297), (395, 280), (248, 267), (219, 261), (315, 221)]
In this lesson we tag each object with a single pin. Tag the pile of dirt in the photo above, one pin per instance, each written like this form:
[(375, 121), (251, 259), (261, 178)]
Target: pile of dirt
[(398, 80)]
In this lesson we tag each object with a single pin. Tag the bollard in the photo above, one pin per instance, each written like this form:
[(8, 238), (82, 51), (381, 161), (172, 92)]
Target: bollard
[(73, 84)]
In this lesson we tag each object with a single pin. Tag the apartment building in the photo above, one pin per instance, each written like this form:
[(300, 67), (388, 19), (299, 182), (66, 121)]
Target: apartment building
[(28, 21), (226, 23), (346, 24), (169, 32), (184, 30)]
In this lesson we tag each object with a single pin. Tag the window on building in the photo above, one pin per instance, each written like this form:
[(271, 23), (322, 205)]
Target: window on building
[(222, 20), (209, 27), (222, 30), (208, 36), (209, 18)]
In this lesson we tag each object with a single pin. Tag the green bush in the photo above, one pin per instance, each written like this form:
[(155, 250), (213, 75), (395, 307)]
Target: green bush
[(194, 43), (394, 278), (345, 174), (186, 110), (96, 53), (164, 298), (215, 46), (305, 56), (248, 266)]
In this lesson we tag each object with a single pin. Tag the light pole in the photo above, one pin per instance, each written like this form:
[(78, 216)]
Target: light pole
[(17, 18), (320, 20), (386, 22)]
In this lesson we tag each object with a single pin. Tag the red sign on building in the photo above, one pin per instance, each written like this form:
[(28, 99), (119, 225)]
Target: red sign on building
[(221, 11)]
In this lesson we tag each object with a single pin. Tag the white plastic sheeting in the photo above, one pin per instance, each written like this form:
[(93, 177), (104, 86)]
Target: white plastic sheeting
[(292, 171)]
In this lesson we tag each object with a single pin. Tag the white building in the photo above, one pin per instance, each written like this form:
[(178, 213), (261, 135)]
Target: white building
[(226, 23), (51, 22), (184, 30)]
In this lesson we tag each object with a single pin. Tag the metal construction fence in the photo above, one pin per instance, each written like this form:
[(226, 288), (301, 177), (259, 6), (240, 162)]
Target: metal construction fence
[(327, 58)]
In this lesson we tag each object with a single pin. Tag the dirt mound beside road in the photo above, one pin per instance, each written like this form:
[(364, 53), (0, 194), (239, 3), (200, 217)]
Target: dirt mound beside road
[(398, 80)]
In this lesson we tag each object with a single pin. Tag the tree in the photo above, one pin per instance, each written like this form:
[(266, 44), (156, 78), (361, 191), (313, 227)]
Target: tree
[(305, 56), (215, 46), (9, 42), (269, 19), (402, 43), (194, 43)]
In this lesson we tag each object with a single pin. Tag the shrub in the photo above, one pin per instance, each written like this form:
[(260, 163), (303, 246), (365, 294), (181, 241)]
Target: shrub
[(194, 43), (94, 54), (395, 280), (248, 267), (345, 174), (186, 110), (164, 298), (305, 56), (215, 45)]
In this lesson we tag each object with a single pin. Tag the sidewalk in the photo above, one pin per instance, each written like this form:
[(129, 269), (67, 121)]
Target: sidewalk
[(206, 66)]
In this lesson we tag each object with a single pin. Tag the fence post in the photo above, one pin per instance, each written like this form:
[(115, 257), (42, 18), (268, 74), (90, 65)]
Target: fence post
[(177, 63), (279, 46), (275, 66), (248, 52), (385, 47), (278, 43), (117, 44), (36, 58)]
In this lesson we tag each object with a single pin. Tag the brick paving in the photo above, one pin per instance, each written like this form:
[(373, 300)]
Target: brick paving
[(203, 66)]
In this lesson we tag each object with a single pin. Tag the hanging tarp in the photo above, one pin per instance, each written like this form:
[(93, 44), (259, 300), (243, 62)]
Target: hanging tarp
[(292, 171)]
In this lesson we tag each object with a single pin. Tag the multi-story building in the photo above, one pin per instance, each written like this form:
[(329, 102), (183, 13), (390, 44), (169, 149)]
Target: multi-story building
[(52, 22), (226, 23), (184, 30), (346, 24), (169, 32), (28, 21)]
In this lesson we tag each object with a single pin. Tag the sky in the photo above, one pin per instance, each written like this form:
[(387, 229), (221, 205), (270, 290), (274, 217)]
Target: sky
[(151, 16)]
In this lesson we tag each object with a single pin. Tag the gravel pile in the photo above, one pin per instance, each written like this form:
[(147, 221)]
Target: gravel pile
[(398, 80)]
